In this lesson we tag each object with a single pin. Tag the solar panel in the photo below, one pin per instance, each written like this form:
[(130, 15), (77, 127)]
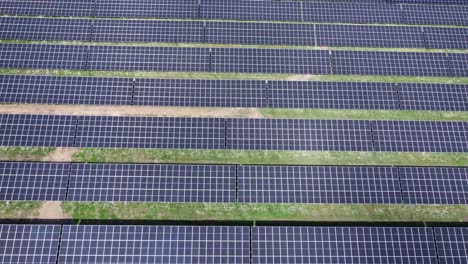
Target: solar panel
[(148, 31), (434, 185), (322, 245), (435, 15), (200, 93), (152, 183), (28, 181), (299, 134), (64, 8), (458, 62), (307, 184), (336, 95), (446, 38), (440, 2), (65, 90), (248, 60), (420, 136), (433, 97), (390, 63), (45, 29), (150, 132), (29, 243), (148, 8), (154, 244), (369, 36), (451, 244), (132, 58), (34, 56), (260, 33), (37, 130), (355, 13)]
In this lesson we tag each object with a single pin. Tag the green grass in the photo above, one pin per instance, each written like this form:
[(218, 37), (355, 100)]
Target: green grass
[(269, 212), (18, 210), (24, 153)]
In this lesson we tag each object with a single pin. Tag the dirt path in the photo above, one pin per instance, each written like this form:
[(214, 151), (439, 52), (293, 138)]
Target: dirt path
[(52, 210)]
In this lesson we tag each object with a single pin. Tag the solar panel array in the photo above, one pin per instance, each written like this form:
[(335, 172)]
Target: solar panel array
[(451, 244), (148, 9)]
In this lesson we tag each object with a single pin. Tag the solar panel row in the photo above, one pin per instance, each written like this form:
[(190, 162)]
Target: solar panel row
[(27, 181), (232, 33), (231, 244), (232, 93), (218, 133), (241, 60)]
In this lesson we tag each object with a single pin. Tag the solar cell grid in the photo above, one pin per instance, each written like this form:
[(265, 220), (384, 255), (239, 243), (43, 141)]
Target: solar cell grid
[(391, 245), (65, 90), (200, 93), (458, 62), (435, 15), (155, 244), (446, 38), (27, 181), (434, 185), (152, 183), (336, 95), (147, 9), (451, 244), (300, 184), (65, 8)]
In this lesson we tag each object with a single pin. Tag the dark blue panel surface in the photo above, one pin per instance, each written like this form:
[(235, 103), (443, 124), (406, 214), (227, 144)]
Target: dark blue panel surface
[(446, 38), (335, 95), (152, 183), (28, 181), (435, 15), (150, 132), (65, 90), (200, 93), (389, 245), (306, 184), (154, 244), (80, 8), (451, 244), (270, 61), (433, 97), (29, 243), (458, 64), (147, 8), (299, 134), (37, 130)]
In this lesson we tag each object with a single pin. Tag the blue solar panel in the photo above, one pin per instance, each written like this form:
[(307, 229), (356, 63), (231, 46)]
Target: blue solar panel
[(200, 93), (37, 130), (270, 61), (390, 63), (307, 184), (148, 8), (65, 90), (458, 63), (150, 132), (299, 134), (152, 183), (33, 56), (434, 185), (433, 97), (451, 244), (63, 8), (154, 244), (336, 95), (446, 38), (420, 136), (132, 58), (27, 181), (390, 245), (439, 2), (435, 15)]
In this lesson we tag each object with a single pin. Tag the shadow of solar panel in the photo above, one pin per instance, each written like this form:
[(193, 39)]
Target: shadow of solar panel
[(35, 56), (299, 134), (155, 244), (132, 58), (251, 10), (200, 93), (334, 95), (148, 8), (270, 61), (369, 36), (458, 64), (260, 33), (343, 245), (357, 13), (78, 8), (420, 136), (446, 38), (27, 181), (29, 243), (148, 31), (45, 29), (433, 97), (434, 185), (152, 183), (435, 15), (65, 90), (305, 184), (390, 63), (451, 244), (150, 132), (37, 130)]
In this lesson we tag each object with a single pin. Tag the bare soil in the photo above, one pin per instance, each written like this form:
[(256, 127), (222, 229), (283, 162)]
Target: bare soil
[(301, 77), (61, 155), (52, 210)]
